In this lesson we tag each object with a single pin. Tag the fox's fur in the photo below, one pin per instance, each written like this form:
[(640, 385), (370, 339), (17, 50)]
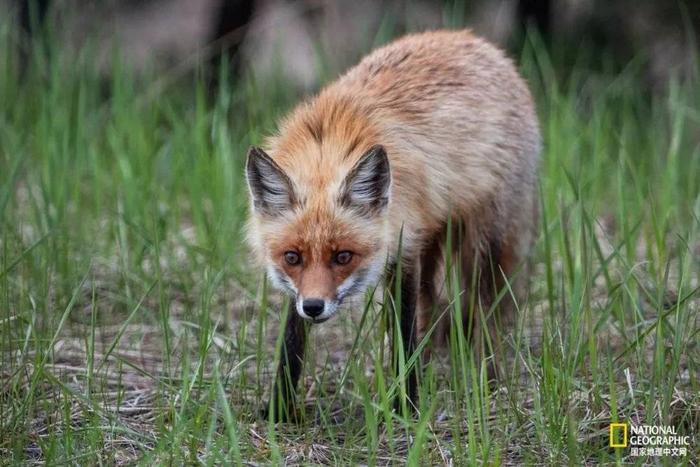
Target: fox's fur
[(450, 118)]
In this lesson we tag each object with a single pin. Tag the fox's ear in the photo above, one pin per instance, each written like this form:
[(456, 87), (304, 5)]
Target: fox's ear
[(366, 188), (270, 188)]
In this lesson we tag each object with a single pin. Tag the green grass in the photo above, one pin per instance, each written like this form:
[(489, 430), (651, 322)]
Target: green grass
[(133, 329)]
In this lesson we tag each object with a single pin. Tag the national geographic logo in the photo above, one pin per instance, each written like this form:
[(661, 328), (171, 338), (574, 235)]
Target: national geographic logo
[(649, 440)]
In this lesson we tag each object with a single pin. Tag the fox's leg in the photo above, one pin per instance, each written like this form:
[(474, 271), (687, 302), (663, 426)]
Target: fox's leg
[(478, 297), (291, 360), (495, 262), (407, 326), (427, 292)]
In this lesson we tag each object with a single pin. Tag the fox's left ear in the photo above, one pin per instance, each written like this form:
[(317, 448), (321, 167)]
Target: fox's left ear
[(270, 188), (366, 188)]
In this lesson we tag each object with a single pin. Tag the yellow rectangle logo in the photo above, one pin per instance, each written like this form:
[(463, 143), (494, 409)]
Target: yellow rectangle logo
[(615, 429)]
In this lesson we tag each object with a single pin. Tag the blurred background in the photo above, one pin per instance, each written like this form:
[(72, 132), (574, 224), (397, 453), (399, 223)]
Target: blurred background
[(294, 36)]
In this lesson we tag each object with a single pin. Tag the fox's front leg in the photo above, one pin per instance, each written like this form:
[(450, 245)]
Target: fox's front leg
[(283, 399), (407, 326)]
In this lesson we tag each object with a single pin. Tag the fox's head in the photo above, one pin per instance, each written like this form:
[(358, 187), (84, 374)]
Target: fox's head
[(320, 228)]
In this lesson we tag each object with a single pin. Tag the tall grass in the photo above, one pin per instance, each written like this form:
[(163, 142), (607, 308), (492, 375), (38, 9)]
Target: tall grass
[(132, 327)]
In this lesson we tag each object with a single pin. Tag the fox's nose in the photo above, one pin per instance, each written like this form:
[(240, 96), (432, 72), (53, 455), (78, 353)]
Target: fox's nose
[(313, 306)]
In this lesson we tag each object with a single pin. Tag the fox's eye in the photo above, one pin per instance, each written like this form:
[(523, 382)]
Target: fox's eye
[(292, 257), (343, 257)]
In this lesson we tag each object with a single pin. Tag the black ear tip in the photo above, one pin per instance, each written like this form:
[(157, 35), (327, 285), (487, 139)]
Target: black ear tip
[(255, 156), (250, 158), (375, 155), (253, 151), (378, 154), (378, 150)]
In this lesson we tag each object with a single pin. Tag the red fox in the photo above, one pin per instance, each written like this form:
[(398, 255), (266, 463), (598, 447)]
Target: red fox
[(436, 129)]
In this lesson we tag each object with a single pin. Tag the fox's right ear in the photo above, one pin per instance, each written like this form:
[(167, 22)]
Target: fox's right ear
[(366, 188), (270, 188)]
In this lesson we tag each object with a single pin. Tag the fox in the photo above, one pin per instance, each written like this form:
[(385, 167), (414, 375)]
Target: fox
[(434, 132)]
